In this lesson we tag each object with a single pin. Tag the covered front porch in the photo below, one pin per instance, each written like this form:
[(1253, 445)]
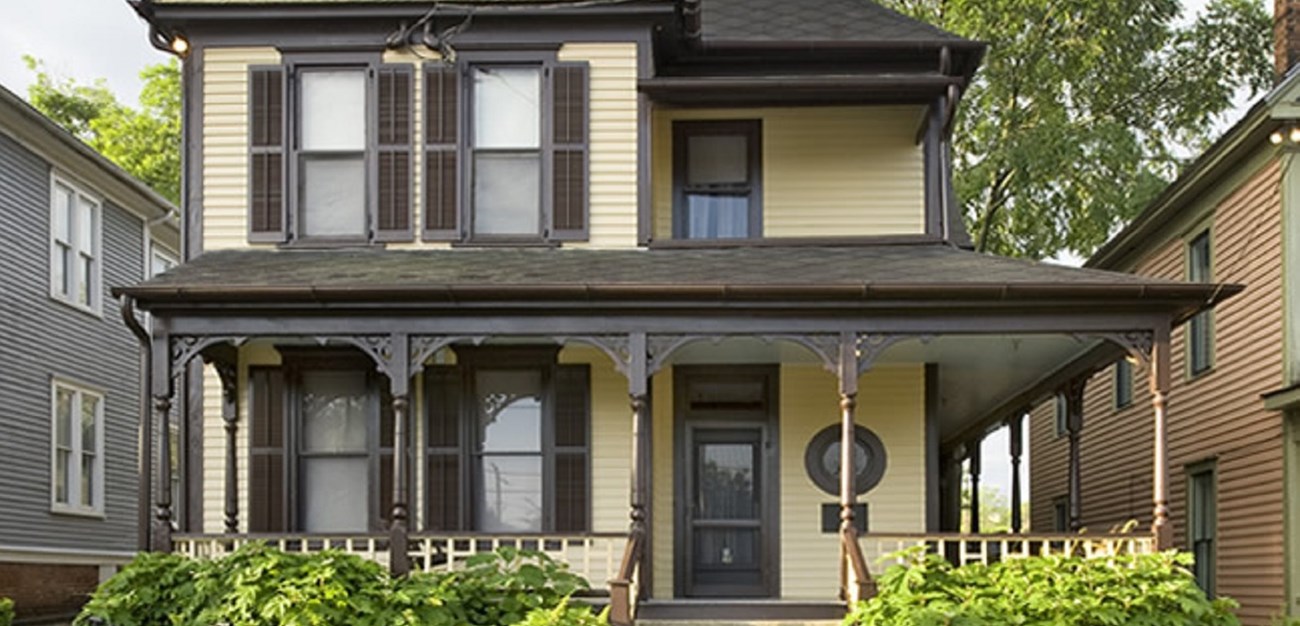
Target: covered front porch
[(719, 417)]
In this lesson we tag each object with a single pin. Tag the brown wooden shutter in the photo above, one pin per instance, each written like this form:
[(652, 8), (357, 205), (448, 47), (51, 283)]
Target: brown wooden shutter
[(266, 154), (442, 399), (569, 154), (395, 137), (442, 141), (572, 482), (266, 480)]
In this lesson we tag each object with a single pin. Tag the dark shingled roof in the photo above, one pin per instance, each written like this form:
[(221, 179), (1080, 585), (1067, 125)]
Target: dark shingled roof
[(855, 272), (820, 21)]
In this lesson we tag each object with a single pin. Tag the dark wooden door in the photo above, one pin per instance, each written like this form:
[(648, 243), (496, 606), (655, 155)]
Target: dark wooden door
[(724, 526)]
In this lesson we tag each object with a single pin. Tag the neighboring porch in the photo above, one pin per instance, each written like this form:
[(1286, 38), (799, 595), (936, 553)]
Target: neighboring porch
[(700, 412)]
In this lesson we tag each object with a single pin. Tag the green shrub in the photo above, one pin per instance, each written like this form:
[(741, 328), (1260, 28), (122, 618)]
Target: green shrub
[(258, 586), (566, 615), (6, 612), (1151, 590)]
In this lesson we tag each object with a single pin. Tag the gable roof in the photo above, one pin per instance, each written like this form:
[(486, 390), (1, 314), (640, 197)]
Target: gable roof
[(757, 21)]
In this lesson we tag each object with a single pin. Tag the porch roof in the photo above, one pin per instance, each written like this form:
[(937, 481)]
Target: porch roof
[(845, 273)]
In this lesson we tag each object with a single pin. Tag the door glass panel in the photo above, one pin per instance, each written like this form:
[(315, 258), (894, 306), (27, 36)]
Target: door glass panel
[(511, 497), (334, 411), (726, 475), (510, 410), (335, 494), (729, 548)]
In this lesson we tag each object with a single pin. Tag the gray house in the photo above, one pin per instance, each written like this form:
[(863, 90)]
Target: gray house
[(72, 226)]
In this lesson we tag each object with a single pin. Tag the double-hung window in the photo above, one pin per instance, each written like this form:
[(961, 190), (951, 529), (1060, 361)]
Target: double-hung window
[(74, 246), (1200, 329), (717, 176), (506, 143), (77, 456), (1202, 514), (1060, 415), (331, 154)]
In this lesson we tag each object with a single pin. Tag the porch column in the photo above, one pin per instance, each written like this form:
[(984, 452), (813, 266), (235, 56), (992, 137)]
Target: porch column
[(638, 394), (1015, 430), (975, 468), (848, 366), (224, 359), (1159, 380), (1074, 427), (950, 516), (399, 377), (162, 388)]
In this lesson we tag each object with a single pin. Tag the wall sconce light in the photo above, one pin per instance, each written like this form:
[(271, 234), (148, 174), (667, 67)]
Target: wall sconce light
[(180, 45), (1288, 134)]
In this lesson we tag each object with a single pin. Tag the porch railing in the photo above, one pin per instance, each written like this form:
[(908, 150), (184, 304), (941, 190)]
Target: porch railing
[(594, 556), (964, 549)]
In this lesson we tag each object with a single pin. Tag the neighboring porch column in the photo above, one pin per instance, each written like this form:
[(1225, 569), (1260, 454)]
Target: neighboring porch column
[(1159, 379), (975, 485), (162, 388), (399, 377), (1073, 392), (1015, 430)]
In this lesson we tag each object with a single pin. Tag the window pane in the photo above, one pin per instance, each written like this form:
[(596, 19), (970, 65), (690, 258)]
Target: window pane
[(89, 411), (510, 410), (507, 111), (88, 480), (1198, 265), (62, 460), (333, 197), (63, 418), (85, 287), (63, 269), (63, 204), (86, 227), (511, 497), (717, 217), (507, 194), (335, 495), (717, 159), (726, 475), (334, 110), (160, 263), (334, 411)]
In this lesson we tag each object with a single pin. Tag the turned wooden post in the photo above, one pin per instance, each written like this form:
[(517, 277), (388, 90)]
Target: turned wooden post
[(399, 378), (1159, 380), (1074, 430), (975, 469), (1015, 431)]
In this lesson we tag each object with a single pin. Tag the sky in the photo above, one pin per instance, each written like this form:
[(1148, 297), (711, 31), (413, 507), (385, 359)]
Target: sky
[(89, 39)]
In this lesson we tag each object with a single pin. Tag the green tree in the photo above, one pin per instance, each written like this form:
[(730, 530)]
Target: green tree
[(1085, 109), (146, 142)]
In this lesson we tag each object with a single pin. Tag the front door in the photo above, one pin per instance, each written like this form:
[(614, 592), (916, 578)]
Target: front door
[(727, 502)]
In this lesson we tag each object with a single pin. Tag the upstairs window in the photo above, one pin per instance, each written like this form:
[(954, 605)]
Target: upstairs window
[(507, 151), (1200, 330), (331, 153), (74, 247), (77, 476), (1123, 383), (1061, 415), (717, 180)]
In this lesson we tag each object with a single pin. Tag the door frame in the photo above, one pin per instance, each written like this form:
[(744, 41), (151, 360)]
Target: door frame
[(769, 474)]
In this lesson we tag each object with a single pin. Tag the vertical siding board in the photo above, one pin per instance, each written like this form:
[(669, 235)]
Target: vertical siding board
[(1217, 415), (67, 342)]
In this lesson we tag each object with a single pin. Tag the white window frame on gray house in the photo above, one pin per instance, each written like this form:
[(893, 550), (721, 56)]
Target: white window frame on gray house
[(76, 244), (73, 497)]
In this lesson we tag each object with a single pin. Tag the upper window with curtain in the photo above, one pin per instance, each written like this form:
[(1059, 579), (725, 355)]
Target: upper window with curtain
[(717, 180)]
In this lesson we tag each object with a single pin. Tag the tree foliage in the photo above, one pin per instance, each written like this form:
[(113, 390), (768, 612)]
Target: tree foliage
[(1085, 109), (146, 142)]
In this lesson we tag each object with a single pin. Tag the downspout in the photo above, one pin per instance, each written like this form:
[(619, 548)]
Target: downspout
[(145, 433)]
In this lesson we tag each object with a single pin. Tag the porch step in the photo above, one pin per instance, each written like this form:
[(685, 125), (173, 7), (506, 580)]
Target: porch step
[(746, 612)]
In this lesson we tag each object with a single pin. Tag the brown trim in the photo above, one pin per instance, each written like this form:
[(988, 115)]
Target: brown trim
[(784, 242)]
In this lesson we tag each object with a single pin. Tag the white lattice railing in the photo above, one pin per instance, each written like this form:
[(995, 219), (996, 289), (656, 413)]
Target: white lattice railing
[(962, 549), (595, 557)]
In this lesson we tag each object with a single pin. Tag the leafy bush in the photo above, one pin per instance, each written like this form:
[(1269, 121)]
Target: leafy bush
[(566, 615), (6, 612), (258, 586), (1152, 590)]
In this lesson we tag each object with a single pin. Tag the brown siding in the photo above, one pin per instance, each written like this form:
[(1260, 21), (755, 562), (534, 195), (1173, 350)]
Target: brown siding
[(1217, 415)]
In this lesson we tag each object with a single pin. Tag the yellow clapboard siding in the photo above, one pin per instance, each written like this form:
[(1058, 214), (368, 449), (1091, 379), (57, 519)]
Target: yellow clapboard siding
[(225, 139), (613, 140), (826, 171), (611, 437), (661, 519)]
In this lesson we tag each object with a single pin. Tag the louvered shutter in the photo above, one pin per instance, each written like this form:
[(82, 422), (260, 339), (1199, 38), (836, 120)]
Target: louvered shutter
[(442, 140), (572, 481), (446, 466), (266, 144), (570, 87), (266, 480), (395, 136)]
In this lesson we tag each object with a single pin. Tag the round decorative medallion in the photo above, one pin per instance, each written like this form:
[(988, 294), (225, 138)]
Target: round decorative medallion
[(822, 459)]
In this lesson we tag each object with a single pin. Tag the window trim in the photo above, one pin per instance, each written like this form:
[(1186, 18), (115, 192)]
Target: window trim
[(470, 359), (1208, 467), (1206, 232), (95, 307), (1122, 366), (683, 130), (73, 506)]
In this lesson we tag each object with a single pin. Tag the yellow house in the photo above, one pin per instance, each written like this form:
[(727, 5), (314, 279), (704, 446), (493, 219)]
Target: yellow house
[(626, 281)]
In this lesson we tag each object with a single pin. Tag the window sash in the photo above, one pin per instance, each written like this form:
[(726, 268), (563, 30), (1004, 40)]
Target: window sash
[(359, 146), (75, 224), (1202, 532), (1123, 383), (482, 144), (77, 463)]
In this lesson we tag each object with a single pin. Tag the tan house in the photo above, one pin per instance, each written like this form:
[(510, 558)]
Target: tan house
[(1232, 426), (625, 281)]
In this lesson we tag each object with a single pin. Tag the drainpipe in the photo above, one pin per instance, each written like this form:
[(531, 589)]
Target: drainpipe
[(145, 434)]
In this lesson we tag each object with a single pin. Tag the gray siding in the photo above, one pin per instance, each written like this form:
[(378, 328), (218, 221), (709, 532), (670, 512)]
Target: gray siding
[(41, 338)]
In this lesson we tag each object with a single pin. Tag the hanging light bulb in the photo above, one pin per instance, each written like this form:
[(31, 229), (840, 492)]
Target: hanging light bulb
[(1275, 138), (180, 45), (1295, 134)]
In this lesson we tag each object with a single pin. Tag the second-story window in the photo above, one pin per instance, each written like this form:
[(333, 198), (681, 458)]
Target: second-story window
[(1200, 329), (507, 151), (74, 246), (717, 180), (332, 153)]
